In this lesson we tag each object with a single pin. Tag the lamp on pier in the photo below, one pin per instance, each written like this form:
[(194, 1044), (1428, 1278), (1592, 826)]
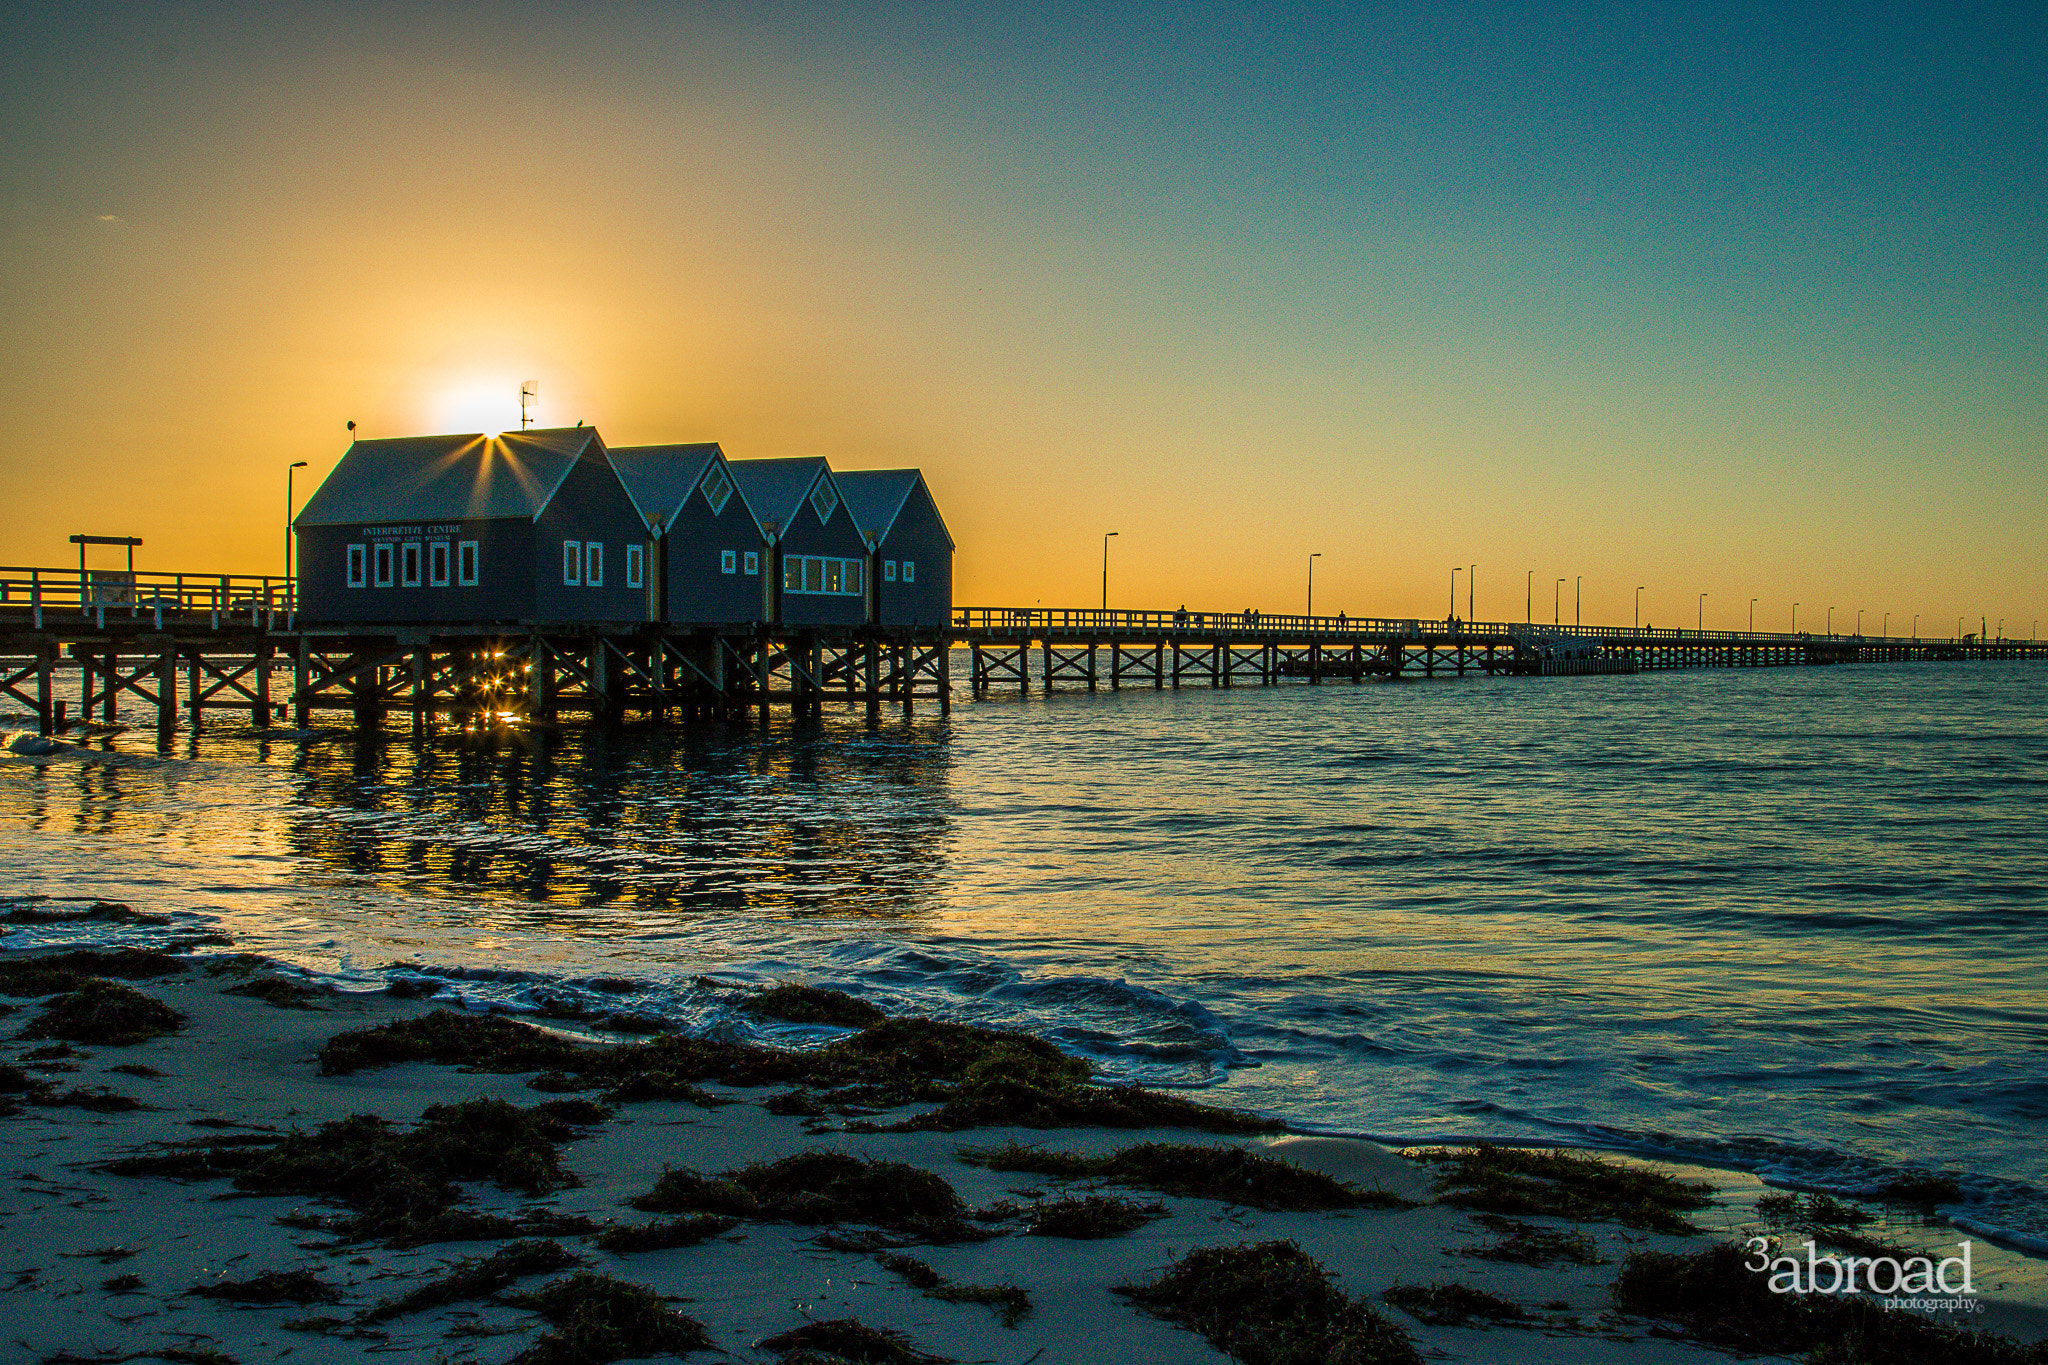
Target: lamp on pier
[(1105, 571), (1312, 581)]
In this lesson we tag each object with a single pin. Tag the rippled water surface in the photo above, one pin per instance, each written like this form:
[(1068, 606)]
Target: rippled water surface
[(1785, 919)]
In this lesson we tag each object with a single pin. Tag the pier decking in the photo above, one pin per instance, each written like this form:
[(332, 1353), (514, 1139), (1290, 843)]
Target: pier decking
[(200, 642)]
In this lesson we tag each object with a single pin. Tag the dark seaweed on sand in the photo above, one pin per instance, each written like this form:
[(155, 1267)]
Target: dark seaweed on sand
[(1009, 1303), (1524, 1181), (1089, 1216), (1271, 1303), (1232, 1174), (275, 990), (475, 1277), (1527, 1244), (1452, 1305), (977, 1076), (846, 1341), (272, 1286), (664, 1234), (98, 912), (104, 1012), (398, 1182), (1715, 1297), (814, 1188), (18, 1085), (596, 1319), (49, 973)]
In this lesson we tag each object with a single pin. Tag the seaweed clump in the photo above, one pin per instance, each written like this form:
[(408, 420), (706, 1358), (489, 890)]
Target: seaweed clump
[(1271, 1303), (1527, 1244), (400, 1183), (1010, 1304), (665, 1234), (98, 912), (272, 1286), (1715, 1297), (1089, 1216), (813, 1188), (1526, 1181), (596, 1319), (17, 1084), (474, 1277), (977, 1076), (1453, 1305), (799, 1004), (846, 1341), (49, 973), (104, 1012), (275, 990), (1231, 1174)]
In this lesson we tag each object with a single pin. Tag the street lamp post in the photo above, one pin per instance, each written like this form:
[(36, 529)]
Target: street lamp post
[(1471, 592), (1529, 599), (1105, 568), (1884, 627), (1453, 615), (288, 505), (1699, 624), (1639, 606), (1859, 623), (1916, 625), (1831, 623), (1312, 581), (1795, 618), (1578, 602), (1556, 612), (1752, 616)]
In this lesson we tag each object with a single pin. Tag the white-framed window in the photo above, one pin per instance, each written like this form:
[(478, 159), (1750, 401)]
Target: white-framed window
[(409, 564), (728, 561), (437, 564), (384, 557), (822, 576), (717, 488), (572, 563), (358, 566), (823, 499), (593, 563), (636, 566), (888, 571), (753, 564), (465, 564), (909, 571)]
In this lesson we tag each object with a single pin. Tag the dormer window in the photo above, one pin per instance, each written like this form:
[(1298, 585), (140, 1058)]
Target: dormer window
[(717, 488), (823, 499)]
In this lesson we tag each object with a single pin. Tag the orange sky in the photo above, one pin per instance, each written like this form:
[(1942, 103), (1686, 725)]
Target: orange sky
[(222, 242)]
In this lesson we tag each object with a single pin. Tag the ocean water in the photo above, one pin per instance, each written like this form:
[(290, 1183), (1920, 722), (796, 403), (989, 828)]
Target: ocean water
[(1785, 920)]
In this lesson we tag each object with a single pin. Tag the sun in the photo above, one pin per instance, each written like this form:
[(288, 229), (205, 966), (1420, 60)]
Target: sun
[(487, 404)]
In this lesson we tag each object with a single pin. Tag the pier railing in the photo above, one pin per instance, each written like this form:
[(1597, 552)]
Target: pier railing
[(1081, 621), (256, 600)]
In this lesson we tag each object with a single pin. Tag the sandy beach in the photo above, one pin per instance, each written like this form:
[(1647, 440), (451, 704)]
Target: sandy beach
[(101, 1265)]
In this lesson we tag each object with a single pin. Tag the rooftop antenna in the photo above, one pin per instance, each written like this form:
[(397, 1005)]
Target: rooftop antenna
[(529, 394)]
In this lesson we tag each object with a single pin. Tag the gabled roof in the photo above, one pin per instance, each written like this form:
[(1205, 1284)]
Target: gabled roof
[(662, 478), (448, 478), (876, 497), (776, 489)]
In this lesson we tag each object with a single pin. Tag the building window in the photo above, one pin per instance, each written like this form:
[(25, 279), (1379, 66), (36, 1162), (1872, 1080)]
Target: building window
[(823, 499), (437, 564), (753, 563), (358, 566), (465, 564), (593, 564), (717, 488), (572, 563), (909, 571), (409, 565), (728, 561), (818, 576), (383, 557), (636, 566), (888, 571)]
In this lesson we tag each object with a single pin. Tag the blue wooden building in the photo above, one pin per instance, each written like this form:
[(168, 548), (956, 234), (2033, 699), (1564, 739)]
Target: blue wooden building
[(819, 567), (526, 527), (910, 552), (711, 557)]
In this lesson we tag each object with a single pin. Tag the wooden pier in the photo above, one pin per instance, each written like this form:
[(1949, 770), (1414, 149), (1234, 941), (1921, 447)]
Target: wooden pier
[(74, 645)]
